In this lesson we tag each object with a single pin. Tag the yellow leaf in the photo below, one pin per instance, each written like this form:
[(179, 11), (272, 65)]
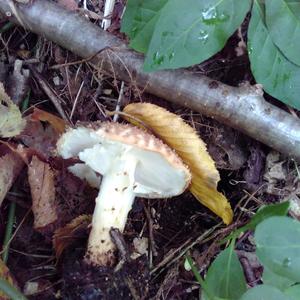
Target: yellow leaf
[(65, 236), (185, 141), (11, 122)]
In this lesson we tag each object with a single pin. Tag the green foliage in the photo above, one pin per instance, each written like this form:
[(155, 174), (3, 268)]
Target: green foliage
[(271, 278), (139, 21), (270, 67), (10, 290), (280, 209), (282, 17), (176, 33), (264, 292), (293, 292), (225, 277), (277, 239), (278, 246)]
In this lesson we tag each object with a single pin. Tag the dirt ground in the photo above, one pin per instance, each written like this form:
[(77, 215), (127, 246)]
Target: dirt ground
[(158, 232)]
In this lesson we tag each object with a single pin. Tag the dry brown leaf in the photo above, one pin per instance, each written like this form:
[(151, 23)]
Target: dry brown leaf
[(39, 137), (41, 181), (10, 167), (57, 123), (185, 141), (11, 122), (64, 236), (5, 274)]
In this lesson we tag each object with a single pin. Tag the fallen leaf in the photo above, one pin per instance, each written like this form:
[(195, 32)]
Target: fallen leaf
[(11, 122), (5, 274), (65, 236), (39, 137), (188, 145), (41, 181), (57, 123), (10, 167)]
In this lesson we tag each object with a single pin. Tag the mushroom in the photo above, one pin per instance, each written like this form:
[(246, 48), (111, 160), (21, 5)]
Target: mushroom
[(133, 163)]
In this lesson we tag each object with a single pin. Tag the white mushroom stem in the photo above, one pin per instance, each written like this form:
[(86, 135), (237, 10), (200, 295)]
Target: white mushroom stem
[(113, 204)]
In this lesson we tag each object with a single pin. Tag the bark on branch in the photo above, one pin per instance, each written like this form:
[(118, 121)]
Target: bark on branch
[(243, 108)]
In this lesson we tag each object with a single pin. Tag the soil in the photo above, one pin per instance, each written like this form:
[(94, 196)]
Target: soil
[(158, 232)]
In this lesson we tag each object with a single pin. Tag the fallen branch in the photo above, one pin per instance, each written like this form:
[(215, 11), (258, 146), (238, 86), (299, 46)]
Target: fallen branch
[(243, 108)]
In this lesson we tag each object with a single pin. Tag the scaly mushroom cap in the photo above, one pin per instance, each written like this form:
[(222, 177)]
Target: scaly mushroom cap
[(159, 172)]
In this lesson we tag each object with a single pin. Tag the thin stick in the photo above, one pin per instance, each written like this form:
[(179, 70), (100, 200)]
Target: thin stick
[(16, 231), (78, 62), (76, 100), (50, 93), (8, 231), (118, 106)]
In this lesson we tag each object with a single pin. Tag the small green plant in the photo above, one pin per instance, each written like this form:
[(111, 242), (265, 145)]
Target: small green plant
[(175, 33), (277, 239)]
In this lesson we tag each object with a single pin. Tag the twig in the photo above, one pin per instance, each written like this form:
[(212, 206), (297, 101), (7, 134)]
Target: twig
[(50, 93), (150, 228), (76, 100), (120, 243), (8, 231), (179, 252), (118, 105), (16, 231), (78, 62)]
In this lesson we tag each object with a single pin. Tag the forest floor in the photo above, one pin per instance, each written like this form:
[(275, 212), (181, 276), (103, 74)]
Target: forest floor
[(158, 232)]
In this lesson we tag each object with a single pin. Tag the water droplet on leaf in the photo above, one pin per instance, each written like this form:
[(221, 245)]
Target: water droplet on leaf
[(210, 16), (203, 35), (171, 55), (223, 17), (287, 262), (158, 59)]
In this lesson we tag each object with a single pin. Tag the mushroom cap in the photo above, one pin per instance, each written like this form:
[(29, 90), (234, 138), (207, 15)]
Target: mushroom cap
[(159, 172)]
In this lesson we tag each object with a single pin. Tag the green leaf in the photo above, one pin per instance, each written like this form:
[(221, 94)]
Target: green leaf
[(279, 77), (139, 21), (270, 278), (264, 292), (278, 246), (283, 22), (293, 292), (8, 289), (225, 277), (278, 209), (188, 32)]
